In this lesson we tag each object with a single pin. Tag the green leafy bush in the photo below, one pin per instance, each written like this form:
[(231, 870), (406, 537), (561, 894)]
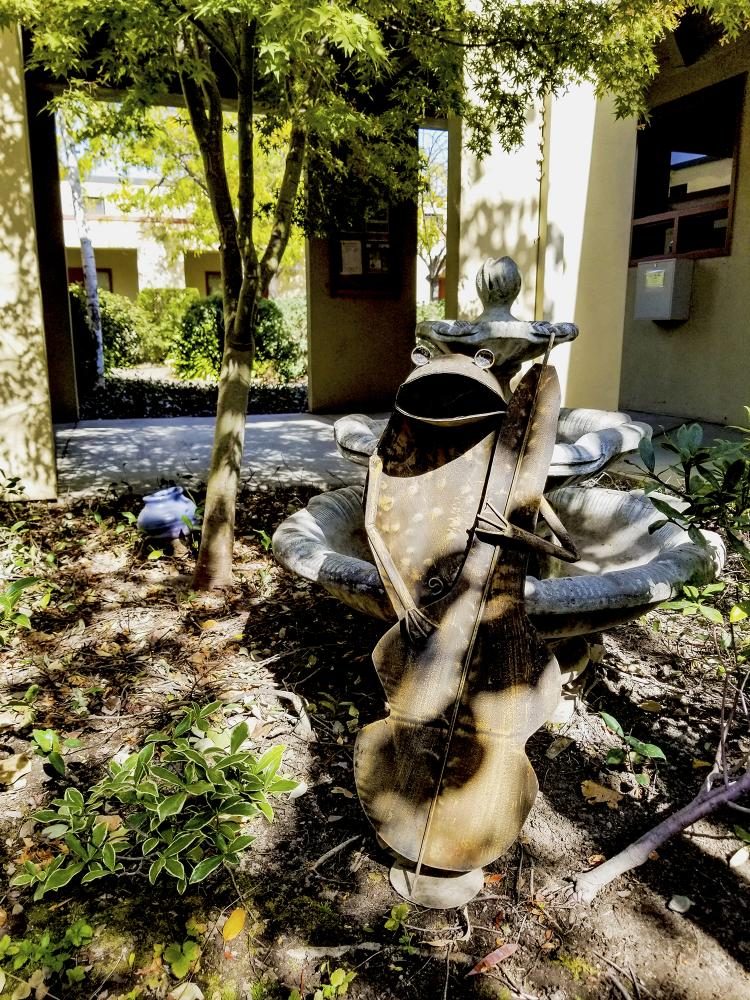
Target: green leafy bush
[(281, 346), (711, 482), (84, 341), (280, 354), (175, 808), (123, 327), (164, 312), (294, 310), (197, 353), (430, 310)]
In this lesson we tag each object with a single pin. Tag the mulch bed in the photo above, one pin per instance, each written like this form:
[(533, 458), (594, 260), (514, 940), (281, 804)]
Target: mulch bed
[(124, 643)]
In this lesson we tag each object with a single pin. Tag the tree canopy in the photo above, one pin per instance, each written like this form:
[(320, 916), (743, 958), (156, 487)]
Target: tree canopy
[(161, 179), (349, 82)]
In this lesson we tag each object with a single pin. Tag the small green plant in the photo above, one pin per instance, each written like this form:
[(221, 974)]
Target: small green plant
[(127, 524), (264, 538), (397, 922), (22, 708), (11, 487), (12, 616), (338, 983), (176, 808), (22, 588), (50, 747), (710, 481), (181, 958), (698, 601), (39, 955), (634, 751), (346, 710)]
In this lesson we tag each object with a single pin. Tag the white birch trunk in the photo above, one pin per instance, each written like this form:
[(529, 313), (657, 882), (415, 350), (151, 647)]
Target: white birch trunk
[(587, 884), (88, 260)]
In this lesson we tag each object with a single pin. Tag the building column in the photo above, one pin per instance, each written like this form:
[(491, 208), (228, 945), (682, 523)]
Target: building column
[(588, 182), (27, 448), (360, 343)]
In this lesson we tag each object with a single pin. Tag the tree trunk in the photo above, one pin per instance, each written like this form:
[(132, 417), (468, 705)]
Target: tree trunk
[(214, 565), (88, 260), (240, 287), (243, 276)]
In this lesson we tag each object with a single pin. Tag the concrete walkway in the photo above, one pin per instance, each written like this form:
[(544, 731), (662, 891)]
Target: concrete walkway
[(283, 448)]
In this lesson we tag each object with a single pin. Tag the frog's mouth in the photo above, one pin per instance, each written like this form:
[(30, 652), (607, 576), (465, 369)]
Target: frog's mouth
[(448, 398)]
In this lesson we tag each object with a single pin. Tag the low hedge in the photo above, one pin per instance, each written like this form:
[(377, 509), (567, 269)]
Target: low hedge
[(128, 398)]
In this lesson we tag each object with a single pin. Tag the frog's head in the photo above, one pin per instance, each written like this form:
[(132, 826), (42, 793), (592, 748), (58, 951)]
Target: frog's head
[(450, 389)]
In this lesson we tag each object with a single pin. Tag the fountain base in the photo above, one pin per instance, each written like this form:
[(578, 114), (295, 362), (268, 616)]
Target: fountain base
[(436, 890)]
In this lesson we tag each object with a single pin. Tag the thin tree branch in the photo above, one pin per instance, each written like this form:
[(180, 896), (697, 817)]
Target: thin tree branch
[(206, 115), (209, 34), (282, 221), (245, 150)]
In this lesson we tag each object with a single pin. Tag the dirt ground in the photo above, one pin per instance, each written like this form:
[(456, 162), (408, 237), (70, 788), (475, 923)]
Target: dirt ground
[(123, 644)]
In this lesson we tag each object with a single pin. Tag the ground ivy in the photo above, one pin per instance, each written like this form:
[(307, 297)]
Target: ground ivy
[(175, 809)]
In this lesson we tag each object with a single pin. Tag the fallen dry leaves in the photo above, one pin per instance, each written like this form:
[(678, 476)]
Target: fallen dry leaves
[(494, 958), (598, 794)]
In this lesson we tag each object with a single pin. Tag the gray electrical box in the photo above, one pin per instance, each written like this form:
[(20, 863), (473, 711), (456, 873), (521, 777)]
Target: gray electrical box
[(663, 289)]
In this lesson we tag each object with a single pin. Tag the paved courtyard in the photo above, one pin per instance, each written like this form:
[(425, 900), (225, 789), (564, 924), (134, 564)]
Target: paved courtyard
[(279, 448)]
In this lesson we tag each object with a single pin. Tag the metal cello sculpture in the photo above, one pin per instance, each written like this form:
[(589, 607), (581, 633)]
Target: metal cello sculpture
[(452, 501)]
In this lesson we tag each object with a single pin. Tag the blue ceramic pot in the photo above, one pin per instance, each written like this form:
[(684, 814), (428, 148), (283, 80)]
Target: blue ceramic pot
[(163, 513)]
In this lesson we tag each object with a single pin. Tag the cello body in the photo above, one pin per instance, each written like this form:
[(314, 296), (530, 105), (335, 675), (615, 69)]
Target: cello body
[(457, 478)]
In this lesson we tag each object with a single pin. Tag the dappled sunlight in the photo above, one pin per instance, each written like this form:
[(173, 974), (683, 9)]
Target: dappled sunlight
[(124, 644), (26, 447), (283, 448)]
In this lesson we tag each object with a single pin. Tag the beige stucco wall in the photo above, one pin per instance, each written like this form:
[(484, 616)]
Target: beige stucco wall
[(499, 215), (122, 263), (27, 446), (589, 175), (196, 265), (701, 368), (566, 224)]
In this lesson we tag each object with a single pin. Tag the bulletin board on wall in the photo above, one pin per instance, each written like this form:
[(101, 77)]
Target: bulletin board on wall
[(363, 261)]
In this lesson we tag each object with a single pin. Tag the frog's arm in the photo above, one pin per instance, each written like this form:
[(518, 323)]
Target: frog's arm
[(418, 625)]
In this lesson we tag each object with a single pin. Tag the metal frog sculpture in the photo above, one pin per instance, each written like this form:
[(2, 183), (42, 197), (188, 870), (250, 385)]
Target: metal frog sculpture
[(452, 500)]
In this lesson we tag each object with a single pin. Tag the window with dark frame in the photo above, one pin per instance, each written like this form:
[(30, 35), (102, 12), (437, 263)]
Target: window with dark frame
[(213, 282), (685, 181), (103, 277)]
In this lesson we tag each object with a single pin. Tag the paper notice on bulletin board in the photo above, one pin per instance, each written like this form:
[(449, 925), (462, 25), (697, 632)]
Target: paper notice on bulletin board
[(655, 279), (351, 256)]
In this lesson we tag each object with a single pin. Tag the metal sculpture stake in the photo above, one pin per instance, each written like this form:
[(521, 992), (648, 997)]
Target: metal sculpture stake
[(454, 491)]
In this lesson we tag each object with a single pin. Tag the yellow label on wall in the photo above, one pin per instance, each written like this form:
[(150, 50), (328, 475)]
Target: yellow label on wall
[(655, 279)]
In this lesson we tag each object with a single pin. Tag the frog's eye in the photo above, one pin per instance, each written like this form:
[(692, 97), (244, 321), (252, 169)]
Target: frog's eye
[(421, 356), (484, 358)]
